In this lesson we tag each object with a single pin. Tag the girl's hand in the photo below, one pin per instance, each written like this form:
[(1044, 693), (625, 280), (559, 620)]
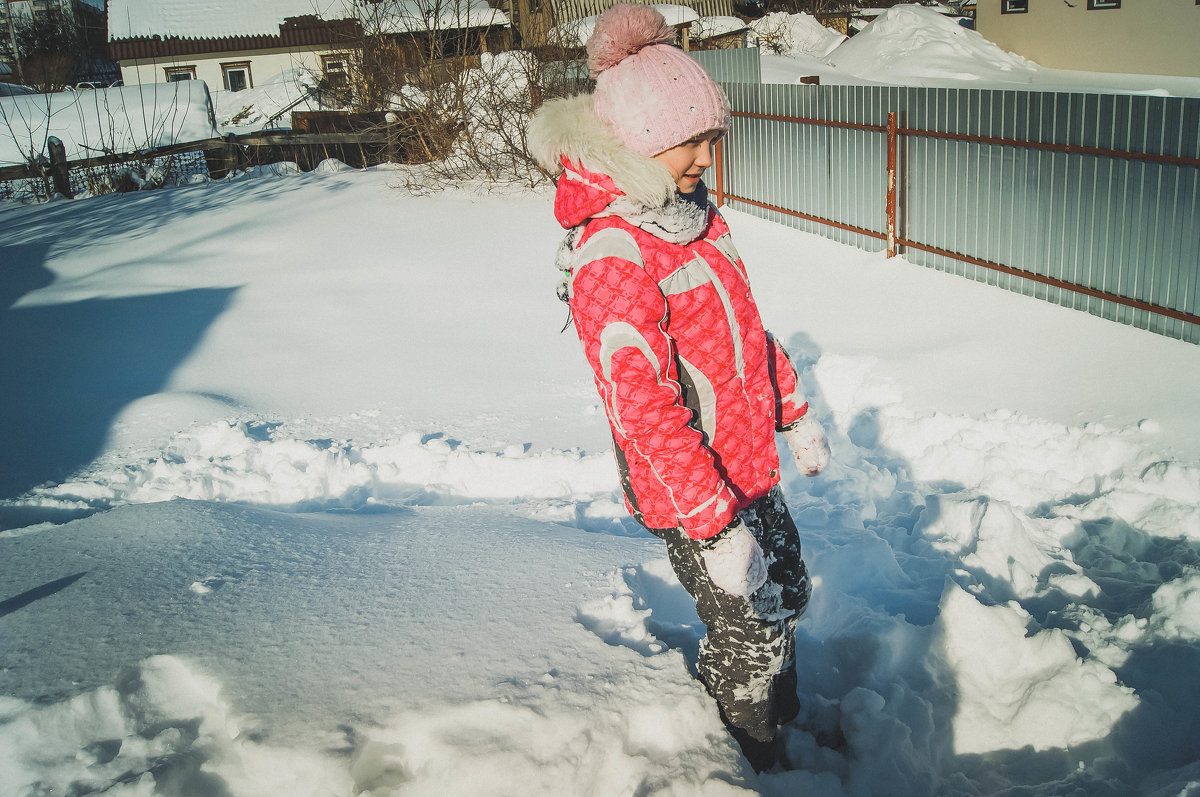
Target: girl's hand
[(809, 445), (734, 560)]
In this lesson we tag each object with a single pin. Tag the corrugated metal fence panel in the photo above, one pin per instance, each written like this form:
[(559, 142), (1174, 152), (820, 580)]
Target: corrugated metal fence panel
[(1117, 225), (821, 171), (738, 65), (1113, 224)]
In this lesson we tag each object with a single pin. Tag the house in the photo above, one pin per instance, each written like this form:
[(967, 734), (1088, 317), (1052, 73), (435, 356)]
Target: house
[(232, 44), (1151, 37)]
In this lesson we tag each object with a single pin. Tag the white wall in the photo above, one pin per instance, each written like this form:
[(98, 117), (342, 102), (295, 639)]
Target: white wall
[(1150, 37), (263, 65)]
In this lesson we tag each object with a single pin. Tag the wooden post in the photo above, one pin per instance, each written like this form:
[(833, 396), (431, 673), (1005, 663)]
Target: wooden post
[(391, 148), (891, 183), (59, 173)]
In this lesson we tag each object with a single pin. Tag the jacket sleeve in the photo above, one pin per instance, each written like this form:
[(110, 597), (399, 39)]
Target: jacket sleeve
[(790, 404), (620, 315)]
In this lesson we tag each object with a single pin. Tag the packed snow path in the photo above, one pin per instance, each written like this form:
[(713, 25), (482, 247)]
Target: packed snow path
[(306, 494)]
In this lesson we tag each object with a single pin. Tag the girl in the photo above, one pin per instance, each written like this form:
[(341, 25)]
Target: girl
[(693, 385)]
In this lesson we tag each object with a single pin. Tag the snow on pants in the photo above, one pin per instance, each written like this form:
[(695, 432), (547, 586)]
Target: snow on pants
[(748, 657)]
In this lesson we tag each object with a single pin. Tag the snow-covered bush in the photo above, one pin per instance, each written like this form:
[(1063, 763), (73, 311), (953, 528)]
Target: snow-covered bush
[(795, 35)]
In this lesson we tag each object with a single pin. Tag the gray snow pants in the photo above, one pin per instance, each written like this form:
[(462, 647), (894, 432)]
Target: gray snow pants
[(748, 657)]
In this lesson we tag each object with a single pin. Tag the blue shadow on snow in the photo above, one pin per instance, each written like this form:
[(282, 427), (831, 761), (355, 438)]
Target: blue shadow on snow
[(69, 369)]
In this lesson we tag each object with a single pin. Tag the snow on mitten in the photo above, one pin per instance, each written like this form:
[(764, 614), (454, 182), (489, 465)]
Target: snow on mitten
[(734, 560), (807, 440)]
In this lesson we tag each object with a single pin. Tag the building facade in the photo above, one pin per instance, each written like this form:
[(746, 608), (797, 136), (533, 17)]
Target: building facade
[(1149, 37)]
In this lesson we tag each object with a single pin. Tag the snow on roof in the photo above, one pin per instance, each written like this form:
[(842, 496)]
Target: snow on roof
[(424, 15), (219, 18), (576, 32), (211, 18), (91, 123)]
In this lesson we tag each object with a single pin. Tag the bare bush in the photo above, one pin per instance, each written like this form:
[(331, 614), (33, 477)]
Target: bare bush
[(460, 96)]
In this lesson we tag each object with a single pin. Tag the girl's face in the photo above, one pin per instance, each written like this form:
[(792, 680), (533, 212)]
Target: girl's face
[(688, 161)]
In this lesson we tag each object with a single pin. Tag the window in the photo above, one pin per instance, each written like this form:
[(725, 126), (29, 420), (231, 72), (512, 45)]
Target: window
[(1095, 5), (177, 73), (1014, 6), (334, 68), (236, 76)]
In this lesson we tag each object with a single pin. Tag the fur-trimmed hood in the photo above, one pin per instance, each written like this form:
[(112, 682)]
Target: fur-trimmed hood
[(601, 177)]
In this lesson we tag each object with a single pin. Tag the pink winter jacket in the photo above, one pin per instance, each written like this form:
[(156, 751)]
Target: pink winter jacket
[(693, 385)]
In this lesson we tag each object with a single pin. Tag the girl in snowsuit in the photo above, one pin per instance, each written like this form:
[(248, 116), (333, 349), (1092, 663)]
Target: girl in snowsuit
[(693, 385)]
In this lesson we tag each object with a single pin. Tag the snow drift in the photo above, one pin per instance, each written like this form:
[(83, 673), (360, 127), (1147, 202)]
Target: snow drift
[(355, 528), (908, 43)]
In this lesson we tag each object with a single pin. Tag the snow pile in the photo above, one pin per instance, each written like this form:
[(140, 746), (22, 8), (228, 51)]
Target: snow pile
[(241, 462), (908, 43), (355, 529), (1018, 689), (159, 723), (105, 121), (795, 35)]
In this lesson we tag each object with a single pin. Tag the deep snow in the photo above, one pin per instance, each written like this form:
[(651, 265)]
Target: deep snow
[(347, 520), (304, 493)]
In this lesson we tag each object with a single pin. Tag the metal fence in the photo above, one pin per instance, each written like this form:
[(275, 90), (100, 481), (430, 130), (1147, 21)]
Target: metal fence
[(1089, 201), (739, 65)]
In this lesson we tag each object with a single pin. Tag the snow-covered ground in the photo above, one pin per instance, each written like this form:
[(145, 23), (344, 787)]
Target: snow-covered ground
[(346, 520), (303, 492)]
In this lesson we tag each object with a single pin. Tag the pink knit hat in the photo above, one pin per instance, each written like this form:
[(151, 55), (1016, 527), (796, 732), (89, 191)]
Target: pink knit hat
[(651, 94)]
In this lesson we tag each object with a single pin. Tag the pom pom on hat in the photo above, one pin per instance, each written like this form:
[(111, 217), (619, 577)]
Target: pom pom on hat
[(623, 30), (651, 95)]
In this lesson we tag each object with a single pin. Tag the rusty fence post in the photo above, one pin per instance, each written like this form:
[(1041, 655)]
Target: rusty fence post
[(891, 183)]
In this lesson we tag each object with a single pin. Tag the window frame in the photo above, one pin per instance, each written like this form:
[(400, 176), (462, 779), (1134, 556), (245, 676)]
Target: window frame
[(336, 77), (1103, 5), (189, 70), (228, 66), (1014, 6)]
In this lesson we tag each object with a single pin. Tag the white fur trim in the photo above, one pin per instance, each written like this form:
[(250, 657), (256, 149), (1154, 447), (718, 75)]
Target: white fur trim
[(570, 127)]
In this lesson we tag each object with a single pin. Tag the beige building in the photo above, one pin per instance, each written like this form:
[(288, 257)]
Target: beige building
[(1150, 37)]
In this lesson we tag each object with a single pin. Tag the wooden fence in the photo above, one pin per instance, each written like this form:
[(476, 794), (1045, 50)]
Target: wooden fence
[(378, 142)]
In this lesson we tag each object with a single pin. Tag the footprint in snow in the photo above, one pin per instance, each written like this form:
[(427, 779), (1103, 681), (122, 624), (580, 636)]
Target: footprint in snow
[(207, 585), (647, 611)]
